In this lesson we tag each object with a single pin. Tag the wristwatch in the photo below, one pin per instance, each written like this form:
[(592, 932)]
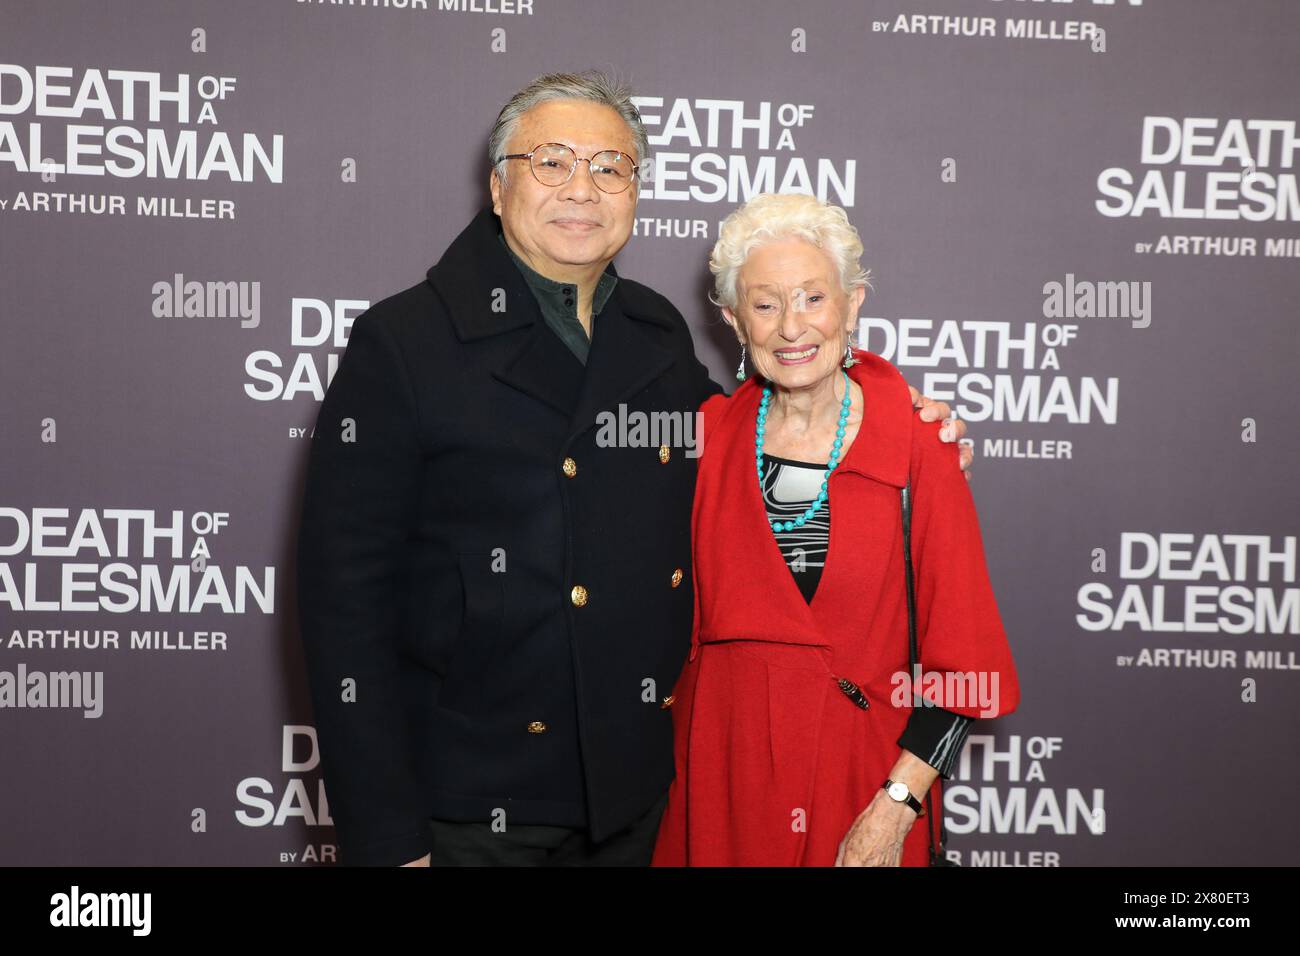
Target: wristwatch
[(899, 792)]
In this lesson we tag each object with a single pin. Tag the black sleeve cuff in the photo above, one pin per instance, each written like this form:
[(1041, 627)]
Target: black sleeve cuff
[(936, 736)]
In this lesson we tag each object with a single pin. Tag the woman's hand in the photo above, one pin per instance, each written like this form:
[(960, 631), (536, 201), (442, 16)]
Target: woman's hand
[(876, 837)]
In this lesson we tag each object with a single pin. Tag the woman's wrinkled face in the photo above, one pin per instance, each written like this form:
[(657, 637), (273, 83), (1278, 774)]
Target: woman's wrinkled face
[(792, 312)]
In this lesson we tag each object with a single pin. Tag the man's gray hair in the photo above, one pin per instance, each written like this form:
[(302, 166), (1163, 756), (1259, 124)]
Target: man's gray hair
[(589, 85)]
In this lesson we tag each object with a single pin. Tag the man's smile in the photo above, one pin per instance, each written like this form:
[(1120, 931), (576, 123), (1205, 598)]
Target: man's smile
[(576, 224)]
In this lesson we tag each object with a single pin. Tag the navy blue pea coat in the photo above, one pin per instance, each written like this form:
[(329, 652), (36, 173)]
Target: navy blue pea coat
[(494, 601)]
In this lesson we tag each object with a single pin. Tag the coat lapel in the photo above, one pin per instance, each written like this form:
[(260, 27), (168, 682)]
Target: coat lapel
[(880, 452), (859, 538), (544, 368), (486, 296), (882, 448), (774, 608), (624, 359)]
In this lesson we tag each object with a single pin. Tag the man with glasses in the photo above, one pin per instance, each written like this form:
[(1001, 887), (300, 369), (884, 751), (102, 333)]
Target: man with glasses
[(495, 600)]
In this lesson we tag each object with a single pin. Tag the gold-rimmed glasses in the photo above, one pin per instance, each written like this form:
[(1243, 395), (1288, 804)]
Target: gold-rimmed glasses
[(611, 170)]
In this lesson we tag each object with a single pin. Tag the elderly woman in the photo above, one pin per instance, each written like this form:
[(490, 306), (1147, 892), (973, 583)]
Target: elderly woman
[(796, 739)]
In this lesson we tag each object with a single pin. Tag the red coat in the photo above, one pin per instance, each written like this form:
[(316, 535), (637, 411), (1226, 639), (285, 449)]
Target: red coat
[(774, 762)]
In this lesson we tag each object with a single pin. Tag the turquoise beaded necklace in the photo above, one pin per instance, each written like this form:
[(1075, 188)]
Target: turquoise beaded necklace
[(836, 447)]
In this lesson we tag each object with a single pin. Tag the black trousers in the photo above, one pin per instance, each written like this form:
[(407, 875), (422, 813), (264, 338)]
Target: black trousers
[(477, 844)]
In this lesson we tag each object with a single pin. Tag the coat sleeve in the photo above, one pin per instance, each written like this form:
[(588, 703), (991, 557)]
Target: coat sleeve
[(936, 736), (959, 629), (709, 412), (358, 510)]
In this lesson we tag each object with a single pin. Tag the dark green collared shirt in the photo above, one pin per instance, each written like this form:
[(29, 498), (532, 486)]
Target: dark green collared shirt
[(559, 303)]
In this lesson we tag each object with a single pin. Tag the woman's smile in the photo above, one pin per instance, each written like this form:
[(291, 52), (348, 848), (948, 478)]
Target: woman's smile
[(795, 356)]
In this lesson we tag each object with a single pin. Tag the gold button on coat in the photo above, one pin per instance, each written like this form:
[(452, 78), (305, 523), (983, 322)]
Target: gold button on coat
[(667, 702), (663, 454), (570, 467), (677, 577), (537, 727), (578, 595)]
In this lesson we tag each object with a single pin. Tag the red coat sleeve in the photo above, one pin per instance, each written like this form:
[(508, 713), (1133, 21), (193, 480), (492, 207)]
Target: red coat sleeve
[(959, 629)]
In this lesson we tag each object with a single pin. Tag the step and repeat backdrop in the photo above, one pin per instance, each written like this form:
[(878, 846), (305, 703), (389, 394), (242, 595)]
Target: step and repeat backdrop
[(1082, 224)]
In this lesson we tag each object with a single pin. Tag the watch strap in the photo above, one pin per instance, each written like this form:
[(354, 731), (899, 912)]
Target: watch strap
[(910, 800)]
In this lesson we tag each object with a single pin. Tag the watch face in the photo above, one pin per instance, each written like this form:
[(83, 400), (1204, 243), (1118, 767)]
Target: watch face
[(898, 791)]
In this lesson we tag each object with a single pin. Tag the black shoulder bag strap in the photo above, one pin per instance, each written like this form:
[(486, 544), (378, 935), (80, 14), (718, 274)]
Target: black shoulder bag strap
[(914, 659)]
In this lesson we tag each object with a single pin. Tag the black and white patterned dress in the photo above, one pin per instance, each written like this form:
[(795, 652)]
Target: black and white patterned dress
[(789, 487)]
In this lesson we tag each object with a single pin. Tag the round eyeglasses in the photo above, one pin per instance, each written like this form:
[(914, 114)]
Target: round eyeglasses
[(553, 164)]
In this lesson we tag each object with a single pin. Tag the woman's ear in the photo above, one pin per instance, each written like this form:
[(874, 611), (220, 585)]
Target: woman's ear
[(730, 318), (855, 303), (856, 300)]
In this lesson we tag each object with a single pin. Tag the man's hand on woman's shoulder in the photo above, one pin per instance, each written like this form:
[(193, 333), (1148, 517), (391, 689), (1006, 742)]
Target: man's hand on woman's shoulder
[(932, 410)]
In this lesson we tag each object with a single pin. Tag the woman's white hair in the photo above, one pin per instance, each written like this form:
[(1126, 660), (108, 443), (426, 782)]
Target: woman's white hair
[(771, 216)]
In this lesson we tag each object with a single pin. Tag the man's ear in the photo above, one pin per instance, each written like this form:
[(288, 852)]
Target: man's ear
[(495, 187)]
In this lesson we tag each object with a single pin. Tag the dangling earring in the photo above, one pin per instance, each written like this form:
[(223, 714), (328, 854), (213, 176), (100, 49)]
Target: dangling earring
[(740, 369), (849, 360)]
